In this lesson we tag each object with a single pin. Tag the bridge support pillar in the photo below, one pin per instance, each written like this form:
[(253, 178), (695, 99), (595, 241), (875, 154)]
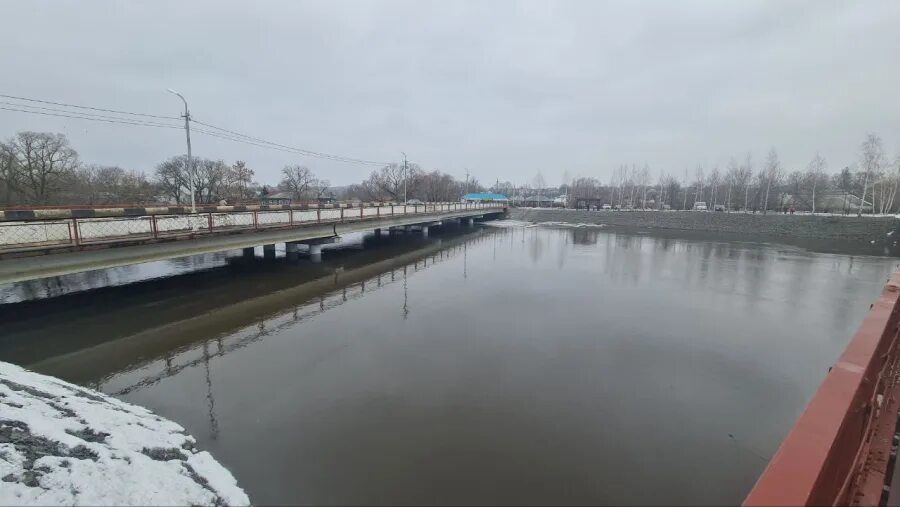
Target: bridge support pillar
[(377, 233), (269, 251), (315, 253), (248, 253)]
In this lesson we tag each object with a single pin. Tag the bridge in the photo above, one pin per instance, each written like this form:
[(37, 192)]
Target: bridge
[(53, 242)]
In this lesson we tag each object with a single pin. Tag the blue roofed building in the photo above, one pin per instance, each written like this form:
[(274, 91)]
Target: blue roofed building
[(484, 196)]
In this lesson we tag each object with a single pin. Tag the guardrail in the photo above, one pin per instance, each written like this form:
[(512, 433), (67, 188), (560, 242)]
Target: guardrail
[(839, 450), (41, 234)]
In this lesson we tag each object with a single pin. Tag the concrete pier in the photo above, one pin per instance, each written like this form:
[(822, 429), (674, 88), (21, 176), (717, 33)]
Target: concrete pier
[(269, 251), (249, 252), (315, 253)]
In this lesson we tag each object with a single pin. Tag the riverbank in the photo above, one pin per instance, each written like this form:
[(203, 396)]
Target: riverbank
[(880, 230), (61, 444)]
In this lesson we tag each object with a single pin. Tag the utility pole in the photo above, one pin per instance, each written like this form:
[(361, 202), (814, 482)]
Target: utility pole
[(467, 180), (190, 166), (405, 176)]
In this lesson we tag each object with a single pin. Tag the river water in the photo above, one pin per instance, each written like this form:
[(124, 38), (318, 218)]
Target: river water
[(514, 364)]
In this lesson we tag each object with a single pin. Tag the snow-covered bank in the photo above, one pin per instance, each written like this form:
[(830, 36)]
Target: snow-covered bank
[(61, 444)]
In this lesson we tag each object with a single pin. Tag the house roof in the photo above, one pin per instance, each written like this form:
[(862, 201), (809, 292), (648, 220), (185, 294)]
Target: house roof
[(278, 195)]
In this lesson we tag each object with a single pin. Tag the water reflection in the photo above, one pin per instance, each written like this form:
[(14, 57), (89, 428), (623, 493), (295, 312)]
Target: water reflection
[(519, 365)]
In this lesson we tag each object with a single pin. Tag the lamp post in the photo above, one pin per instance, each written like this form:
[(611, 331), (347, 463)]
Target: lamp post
[(187, 131)]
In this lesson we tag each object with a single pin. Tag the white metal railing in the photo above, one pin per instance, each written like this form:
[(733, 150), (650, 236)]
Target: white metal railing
[(40, 233)]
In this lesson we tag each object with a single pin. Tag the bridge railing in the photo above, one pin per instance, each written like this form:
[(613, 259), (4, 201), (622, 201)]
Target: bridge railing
[(40, 234), (839, 450)]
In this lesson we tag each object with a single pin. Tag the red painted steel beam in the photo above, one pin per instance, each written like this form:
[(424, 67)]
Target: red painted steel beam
[(838, 451)]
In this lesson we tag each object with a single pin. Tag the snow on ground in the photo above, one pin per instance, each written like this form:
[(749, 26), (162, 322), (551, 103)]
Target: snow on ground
[(61, 444), (506, 223)]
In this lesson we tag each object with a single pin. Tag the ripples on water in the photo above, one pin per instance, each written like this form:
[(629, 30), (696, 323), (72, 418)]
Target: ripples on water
[(501, 365)]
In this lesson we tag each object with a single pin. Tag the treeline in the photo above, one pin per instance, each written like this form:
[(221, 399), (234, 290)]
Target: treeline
[(40, 168), (869, 186), (393, 182)]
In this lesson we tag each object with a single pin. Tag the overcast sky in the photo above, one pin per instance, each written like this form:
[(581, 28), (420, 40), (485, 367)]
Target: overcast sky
[(505, 89)]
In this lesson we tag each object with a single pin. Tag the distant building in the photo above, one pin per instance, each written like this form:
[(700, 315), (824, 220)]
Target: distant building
[(276, 198), (484, 197), (534, 201)]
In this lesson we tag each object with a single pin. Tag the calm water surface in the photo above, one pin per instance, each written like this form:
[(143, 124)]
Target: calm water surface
[(522, 365)]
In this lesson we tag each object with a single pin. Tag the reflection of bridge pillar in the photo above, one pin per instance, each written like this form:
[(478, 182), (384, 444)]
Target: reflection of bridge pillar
[(315, 253), (425, 231), (269, 251), (292, 251), (249, 253), (470, 222)]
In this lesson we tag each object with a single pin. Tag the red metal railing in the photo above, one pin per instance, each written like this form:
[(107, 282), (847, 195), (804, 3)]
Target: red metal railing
[(839, 450), (43, 234)]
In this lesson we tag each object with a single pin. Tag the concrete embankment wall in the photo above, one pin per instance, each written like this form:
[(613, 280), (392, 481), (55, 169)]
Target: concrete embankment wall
[(879, 229)]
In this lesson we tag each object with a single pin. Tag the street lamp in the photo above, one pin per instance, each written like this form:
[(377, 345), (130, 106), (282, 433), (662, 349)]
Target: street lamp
[(187, 131)]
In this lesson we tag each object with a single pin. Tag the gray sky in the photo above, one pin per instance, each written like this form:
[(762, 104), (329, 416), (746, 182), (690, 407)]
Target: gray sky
[(505, 89)]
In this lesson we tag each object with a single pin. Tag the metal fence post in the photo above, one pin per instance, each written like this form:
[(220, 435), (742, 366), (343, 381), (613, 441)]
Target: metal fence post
[(210, 222), (291, 216), (342, 214), (76, 236), (319, 215)]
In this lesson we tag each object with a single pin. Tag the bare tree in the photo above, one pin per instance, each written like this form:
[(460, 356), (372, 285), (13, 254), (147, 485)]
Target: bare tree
[(872, 159), (539, 184), (43, 161), (241, 177), (644, 181), (171, 176), (9, 173), (815, 169), (715, 178), (773, 173), (732, 176), (698, 194), (296, 179), (746, 177)]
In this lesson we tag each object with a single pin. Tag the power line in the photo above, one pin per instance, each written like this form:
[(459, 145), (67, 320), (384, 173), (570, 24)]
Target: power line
[(123, 122), (87, 115), (223, 133), (88, 107), (339, 158)]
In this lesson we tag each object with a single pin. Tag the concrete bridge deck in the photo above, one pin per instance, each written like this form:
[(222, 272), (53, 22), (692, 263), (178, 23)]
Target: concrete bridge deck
[(119, 249)]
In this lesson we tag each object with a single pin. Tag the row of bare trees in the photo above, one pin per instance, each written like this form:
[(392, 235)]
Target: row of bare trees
[(393, 182), (42, 168), (870, 186)]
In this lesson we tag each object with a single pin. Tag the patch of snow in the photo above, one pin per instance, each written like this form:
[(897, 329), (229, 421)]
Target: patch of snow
[(61, 444), (568, 224), (520, 223)]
